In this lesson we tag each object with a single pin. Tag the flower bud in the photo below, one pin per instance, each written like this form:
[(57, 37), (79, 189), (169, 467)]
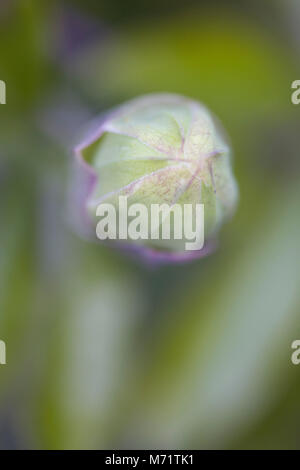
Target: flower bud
[(154, 150)]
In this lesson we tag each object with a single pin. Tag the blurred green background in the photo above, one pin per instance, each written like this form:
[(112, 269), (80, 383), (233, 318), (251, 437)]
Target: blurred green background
[(103, 352)]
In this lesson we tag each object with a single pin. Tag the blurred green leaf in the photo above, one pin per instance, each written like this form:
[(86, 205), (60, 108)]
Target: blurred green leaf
[(222, 359)]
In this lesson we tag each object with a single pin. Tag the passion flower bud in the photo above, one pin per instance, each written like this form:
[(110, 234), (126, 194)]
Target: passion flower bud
[(154, 150)]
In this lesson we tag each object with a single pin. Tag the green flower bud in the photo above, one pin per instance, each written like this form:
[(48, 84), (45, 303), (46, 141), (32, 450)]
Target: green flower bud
[(156, 149)]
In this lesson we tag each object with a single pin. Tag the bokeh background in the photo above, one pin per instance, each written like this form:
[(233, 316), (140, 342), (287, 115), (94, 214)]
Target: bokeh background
[(103, 352)]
